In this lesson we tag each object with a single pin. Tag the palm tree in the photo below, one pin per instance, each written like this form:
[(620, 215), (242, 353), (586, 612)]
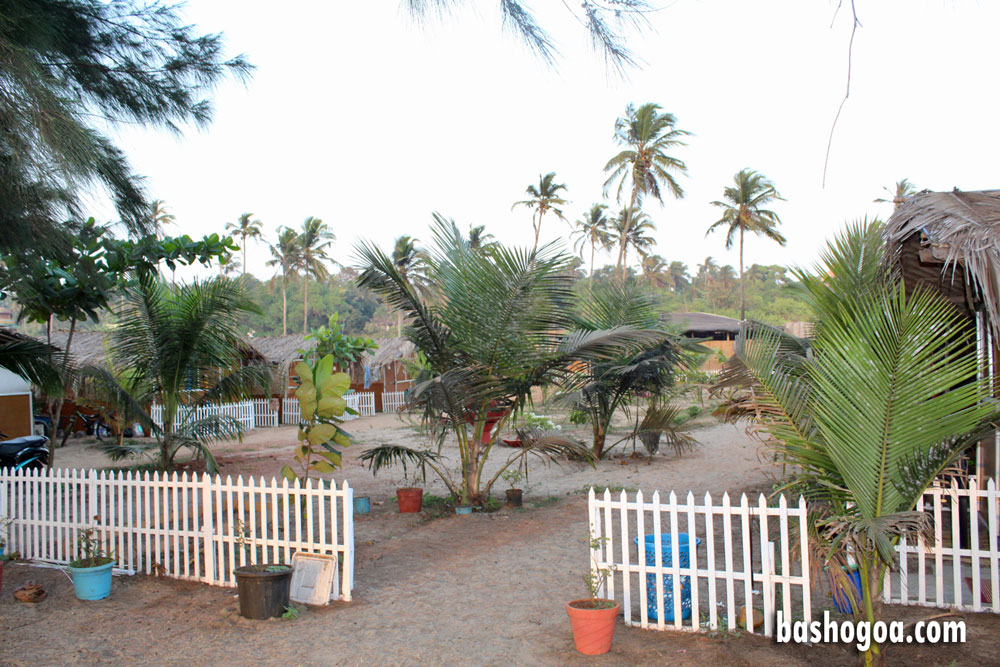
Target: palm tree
[(159, 216), (679, 277), (408, 260), (631, 230), (287, 256), (182, 344), (899, 193), (869, 412), (656, 271), (479, 238), (742, 211), (314, 240), (498, 326), (543, 199), (592, 228), (648, 134), (245, 228)]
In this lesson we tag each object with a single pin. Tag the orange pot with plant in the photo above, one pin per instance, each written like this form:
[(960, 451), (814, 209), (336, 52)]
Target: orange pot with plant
[(593, 619)]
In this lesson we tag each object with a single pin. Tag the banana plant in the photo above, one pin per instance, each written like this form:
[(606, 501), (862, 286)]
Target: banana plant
[(322, 406)]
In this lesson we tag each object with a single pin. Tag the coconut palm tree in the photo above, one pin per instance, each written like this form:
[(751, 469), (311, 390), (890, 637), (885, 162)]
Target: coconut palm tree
[(743, 211), (287, 256), (868, 413), (631, 230), (655, 269), (647, 133), (593, 229), (314, 241), (182, 344), (245, 227), (479, 238), (899, 193), (408, 260), (498, 326), (159, 216), (679, 278), (543, 199)]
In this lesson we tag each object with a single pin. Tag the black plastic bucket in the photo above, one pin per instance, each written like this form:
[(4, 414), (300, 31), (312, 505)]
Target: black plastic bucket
[(263, 590)]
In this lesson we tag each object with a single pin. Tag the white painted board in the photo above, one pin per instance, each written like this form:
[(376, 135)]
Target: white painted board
[(314, 578)]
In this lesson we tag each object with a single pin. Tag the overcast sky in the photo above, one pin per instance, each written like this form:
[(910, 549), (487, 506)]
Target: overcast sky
[(363, 118)]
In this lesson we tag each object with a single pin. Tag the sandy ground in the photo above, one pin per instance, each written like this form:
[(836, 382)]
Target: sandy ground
[(486, 589)]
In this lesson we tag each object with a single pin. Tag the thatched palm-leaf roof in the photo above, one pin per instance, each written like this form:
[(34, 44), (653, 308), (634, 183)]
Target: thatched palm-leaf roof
[(696, 323), (961, 230), (91, 347)]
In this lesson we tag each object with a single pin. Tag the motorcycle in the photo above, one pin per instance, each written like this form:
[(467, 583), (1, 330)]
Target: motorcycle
[(30, 452)]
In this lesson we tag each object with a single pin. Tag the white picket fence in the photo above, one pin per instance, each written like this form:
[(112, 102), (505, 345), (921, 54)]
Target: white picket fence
[(727, 559), (264, 414), (243, 412), (362, 401), (392, 401), (179, 526), (942, 572)]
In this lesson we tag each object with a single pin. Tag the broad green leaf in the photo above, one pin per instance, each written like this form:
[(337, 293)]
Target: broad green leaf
[(302, 451), (302, 433), (322, 466), (337, 383), (342, 439), (323, 370), (321, 433), (288, 473), (332, 457), (331, 406), (304, 372)]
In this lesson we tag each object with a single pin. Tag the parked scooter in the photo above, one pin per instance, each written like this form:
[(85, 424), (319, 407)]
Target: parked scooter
[(28, 453)]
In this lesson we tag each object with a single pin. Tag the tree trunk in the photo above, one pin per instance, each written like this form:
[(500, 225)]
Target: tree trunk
[(57, 410), (399, 323), (591, 266), (743, 300), (305, 304), (244, 255), (538, 230), (284, 307), (625, 230)]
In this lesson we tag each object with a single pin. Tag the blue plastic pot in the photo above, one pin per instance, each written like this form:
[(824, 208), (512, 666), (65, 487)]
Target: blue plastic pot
[(666, 556), (463, 509), (92, 583), (362, 505), (840, 598)]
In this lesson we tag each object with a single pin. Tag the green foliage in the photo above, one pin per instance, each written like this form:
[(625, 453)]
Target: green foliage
[(322, 404), (291, 612), (72, 72), (90, 550), (385, 456), (331, 341)]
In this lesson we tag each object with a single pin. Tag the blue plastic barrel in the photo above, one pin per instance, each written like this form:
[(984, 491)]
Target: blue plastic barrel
[(841, 600), (362, 505), (92, 583), (666, 560)]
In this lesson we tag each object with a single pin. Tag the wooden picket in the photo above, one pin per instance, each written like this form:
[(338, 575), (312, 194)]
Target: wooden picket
[(264, 414), (361, 401), (762, 547), (243, 412), (960, 566), (196, 527), (290, 411), (392, 401)]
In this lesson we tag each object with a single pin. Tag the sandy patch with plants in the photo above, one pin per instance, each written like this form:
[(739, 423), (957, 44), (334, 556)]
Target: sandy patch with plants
[(486, 589)]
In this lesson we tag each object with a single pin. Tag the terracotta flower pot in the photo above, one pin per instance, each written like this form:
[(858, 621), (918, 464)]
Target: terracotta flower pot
[(410, 499), (593, 629)]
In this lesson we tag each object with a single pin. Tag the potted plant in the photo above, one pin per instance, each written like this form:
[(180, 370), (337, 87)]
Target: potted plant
[(512, 477), (4, 523), (91, 571), (593, 618), (263, 589), (410, 498)]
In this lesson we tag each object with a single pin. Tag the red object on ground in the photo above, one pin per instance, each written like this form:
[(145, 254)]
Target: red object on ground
[(491, 420), (512, 442), (593, 629), (410, 500)]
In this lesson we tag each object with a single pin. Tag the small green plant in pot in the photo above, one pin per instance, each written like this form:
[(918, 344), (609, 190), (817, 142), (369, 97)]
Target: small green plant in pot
[(263, 589), (410, 498), (593, 618), (514, 495), (91, 570)]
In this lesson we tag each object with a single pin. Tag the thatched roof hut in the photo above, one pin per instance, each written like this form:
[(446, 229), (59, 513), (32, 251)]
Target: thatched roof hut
[(282, 350), (91, 347), (706, 325), (951, 242)]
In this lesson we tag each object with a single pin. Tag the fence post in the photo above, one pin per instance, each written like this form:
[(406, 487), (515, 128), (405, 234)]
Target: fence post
[(91, 496), (348, 541), (207, 532)]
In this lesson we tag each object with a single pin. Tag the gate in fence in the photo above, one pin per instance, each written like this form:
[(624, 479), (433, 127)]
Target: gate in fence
[(690, 566), (197, 528), (392, 401)]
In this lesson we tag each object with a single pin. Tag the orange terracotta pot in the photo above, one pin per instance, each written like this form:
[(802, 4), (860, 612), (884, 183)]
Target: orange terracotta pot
[(410, 499), (593, 629)]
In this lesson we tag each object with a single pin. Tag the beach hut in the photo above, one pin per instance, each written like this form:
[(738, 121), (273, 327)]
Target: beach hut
[(950, 242), (719, 332)]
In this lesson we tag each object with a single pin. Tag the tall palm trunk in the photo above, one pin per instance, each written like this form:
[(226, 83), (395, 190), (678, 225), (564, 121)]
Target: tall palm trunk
[(538, 230), (625, 230), (284, 305), (244, 255), (591, 266), (305, 304), (399, 323), (743, 301)]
